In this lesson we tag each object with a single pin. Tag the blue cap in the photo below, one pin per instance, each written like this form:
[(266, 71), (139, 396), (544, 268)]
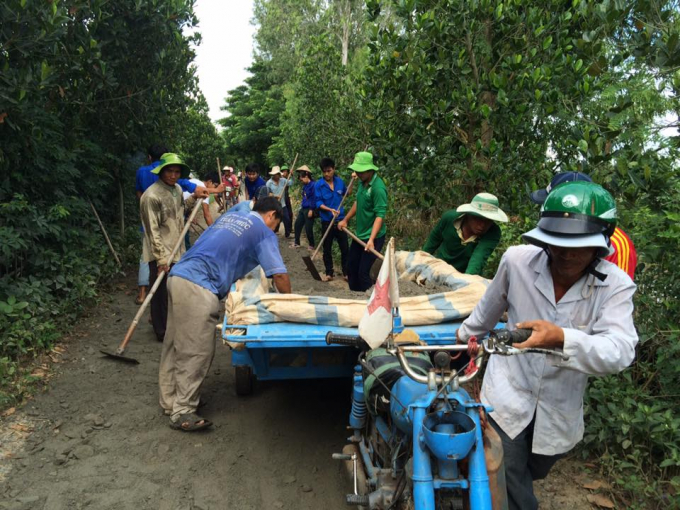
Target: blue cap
[(539, 196)]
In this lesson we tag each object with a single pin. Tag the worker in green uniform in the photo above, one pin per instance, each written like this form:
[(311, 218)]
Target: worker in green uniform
[(370, 209), (466, 237)]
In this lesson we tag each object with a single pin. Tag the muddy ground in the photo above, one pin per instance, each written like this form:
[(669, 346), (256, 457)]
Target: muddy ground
[(96, 438)]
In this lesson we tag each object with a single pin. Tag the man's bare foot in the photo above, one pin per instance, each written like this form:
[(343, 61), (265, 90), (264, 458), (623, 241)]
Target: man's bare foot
[(326, 278)]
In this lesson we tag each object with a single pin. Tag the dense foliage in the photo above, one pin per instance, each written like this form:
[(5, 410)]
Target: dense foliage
[(457, 96), (86, 86)]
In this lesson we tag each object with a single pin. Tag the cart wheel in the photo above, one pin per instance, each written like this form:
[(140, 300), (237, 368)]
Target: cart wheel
[(243, 376)]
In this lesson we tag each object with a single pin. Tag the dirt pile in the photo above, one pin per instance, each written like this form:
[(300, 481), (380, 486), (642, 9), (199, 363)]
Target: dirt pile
[(303, 283)]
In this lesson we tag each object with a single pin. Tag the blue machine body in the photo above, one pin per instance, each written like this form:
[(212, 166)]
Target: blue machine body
[(285, 350)]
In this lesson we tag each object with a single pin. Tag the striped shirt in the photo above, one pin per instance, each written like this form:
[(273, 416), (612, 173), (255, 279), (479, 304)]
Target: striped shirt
[(599, 338), (624, 254)]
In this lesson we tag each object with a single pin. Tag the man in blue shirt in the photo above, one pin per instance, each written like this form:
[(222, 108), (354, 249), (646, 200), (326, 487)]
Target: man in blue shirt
[(328, 193), (305, 216), (143, 179), (253, 180), (233, 246)]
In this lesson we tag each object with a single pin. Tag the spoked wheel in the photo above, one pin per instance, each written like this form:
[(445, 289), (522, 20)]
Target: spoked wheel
[(243, 376)]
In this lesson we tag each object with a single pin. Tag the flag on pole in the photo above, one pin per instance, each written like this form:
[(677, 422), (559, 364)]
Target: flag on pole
[(376, 324)]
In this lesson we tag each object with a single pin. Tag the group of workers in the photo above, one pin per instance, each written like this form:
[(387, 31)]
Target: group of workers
[(572, 284)]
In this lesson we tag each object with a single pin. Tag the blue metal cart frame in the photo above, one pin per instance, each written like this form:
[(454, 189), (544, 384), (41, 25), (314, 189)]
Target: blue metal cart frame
[(284, 350)]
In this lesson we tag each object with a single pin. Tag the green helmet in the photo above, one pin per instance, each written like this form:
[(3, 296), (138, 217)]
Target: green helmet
[(576, 214), (579, 207)]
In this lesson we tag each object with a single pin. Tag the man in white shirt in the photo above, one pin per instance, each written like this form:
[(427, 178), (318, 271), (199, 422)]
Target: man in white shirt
[(574, 302), (276, 186)]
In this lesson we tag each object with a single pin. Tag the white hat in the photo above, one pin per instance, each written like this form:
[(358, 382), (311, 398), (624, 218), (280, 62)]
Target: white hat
[(275, 170), (225, 168), (486, 206)]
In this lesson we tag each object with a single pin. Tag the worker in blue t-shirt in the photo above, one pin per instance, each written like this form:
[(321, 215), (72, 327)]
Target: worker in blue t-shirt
[(232, 247), (253, 181)]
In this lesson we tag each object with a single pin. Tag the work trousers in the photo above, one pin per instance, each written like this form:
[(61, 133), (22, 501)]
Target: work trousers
[(341, 237), (143, 273), (523, 467), (287, 222), (303, 220), (189, 345), (359, 262), (159, 302)]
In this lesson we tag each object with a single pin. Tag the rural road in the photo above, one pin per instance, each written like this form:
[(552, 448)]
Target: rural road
[(97, 439)]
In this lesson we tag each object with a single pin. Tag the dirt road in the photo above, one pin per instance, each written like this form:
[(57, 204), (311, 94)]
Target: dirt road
[(97, 438)]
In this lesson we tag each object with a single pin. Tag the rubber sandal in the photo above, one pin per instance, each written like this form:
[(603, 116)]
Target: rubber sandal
[(293, 245), (201, 403), (190, 423), (138, 301)]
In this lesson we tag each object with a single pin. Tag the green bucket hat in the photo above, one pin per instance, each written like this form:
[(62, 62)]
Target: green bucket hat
[(170, 158), (284, 167), (363, 161), (486, 206)]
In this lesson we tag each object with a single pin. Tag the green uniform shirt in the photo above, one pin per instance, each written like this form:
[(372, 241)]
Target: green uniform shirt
[(470, 258), (371, 204)]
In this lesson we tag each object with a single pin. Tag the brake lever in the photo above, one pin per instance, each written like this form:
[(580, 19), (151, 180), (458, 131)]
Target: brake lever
[(493, 347)]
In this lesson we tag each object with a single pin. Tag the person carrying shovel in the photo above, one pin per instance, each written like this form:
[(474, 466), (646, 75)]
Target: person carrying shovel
[(233, 246), (328, 193), (162, 212), (370, 209)]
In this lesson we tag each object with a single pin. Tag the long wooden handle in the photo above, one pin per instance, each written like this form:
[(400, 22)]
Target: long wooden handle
[(106, 236), (376, 253), (290, 173), (219, 172), (335, 216), (159, 279)]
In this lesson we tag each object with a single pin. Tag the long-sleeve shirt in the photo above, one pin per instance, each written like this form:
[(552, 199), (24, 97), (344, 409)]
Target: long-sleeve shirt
[(308, 198), (599, 338), (252, 187), (324, 195), (162, 211), (445, 243)]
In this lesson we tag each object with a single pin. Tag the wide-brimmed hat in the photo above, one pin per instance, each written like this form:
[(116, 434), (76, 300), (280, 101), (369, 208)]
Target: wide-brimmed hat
[(170, 158), (363, 161), (275, 170), (284, 167), (543, 238), (486, 206), (539, 196), (303, 168), (227, 168)]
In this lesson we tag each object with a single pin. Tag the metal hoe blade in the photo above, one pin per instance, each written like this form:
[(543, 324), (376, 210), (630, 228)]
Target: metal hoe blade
[(311, 267), (120, 357)]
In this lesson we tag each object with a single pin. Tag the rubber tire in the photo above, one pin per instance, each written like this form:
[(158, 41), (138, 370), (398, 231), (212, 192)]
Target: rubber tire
[(243, 380)]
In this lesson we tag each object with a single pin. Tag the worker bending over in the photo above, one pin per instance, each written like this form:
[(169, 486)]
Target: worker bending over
[(467, 236), (232, 247)]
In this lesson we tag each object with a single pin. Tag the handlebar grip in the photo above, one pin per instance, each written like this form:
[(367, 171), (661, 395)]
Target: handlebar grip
[(508, 337), (352, 341)]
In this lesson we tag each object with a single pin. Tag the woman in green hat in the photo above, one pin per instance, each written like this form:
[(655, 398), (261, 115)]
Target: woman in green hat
[(466, 237), (370, 209)]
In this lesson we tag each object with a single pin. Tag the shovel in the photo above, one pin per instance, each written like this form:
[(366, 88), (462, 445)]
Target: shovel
[(118, 355), (309, 261)]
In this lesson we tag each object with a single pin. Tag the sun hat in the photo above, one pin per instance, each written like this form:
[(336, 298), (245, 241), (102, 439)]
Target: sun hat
[(303, 168), (284, 167), (486, 206), (363, 161), (275, 170), (576, 214), (539, 196), (170, 158)]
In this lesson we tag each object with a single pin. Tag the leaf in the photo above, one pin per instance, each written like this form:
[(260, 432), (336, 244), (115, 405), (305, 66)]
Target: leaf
[(10, 411), (583, 146), (547, 42), (600, 500), (594, 485)]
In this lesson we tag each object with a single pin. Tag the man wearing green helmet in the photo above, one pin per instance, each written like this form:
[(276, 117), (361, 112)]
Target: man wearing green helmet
[(574, 302)]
